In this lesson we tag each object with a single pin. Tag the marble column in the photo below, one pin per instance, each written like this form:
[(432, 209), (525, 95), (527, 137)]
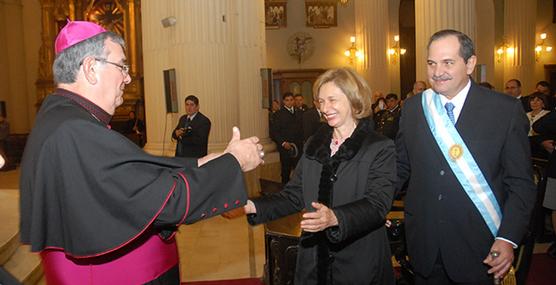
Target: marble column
[(371, 30), (13, 73), (519, 33), (217, 49), (434, 15)]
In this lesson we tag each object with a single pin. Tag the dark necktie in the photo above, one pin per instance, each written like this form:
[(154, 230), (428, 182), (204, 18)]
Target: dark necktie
[(450, 111)]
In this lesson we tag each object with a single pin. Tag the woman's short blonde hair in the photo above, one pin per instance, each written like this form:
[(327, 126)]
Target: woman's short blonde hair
[(352, 85)]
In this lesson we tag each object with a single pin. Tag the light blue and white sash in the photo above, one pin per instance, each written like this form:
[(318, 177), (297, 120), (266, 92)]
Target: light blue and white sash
[(461, 160)]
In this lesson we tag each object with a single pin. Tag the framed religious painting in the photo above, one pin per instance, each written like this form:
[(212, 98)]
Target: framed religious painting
[(320, 14), (275, 14)]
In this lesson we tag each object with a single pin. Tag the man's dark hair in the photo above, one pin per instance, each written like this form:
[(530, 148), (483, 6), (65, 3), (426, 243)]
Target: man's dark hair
[(544, 84), (192, 98), (287, 94), (298, 95), (466, 47), (486, 85), (516, 81), (391, 96)]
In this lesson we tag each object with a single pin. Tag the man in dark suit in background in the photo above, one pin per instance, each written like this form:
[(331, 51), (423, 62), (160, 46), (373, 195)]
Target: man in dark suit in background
[(287, 133), (465, 152), (311, 120), (513, 88), (192, 131)]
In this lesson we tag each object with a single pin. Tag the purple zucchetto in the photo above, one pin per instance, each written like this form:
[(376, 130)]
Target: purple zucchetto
[(75, 32)]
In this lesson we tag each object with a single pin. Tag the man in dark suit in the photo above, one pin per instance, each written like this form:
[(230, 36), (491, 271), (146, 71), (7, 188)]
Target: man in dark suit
[(470, 192), (311, 121), (287, 133), (192, 131), (513, 88)]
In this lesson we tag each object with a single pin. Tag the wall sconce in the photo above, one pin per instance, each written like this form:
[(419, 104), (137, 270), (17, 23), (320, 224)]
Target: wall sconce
[(541, 47), (395, 51), (352, 52), (502, 49)]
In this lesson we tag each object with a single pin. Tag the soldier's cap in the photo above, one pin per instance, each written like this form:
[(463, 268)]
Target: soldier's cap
[(75, 32)]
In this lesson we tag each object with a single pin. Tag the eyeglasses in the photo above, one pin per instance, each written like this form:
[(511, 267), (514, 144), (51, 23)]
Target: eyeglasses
[(123, 67)]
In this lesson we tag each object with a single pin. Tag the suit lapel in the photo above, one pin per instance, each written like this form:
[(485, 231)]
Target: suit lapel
[(471, 114)]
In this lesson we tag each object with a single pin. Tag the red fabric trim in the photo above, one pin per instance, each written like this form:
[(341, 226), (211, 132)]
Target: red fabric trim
[(128, 241), (188, 197)]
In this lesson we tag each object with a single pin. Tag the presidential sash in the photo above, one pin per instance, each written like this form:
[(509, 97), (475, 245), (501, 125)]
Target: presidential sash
[(461, 160)]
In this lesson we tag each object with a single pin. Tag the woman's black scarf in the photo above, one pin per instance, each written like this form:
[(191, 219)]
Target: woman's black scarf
[(319, 149)]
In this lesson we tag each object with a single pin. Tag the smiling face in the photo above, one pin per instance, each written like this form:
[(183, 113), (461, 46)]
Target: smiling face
[(536, 104), (335, 106), (447, 71), (112, 78)]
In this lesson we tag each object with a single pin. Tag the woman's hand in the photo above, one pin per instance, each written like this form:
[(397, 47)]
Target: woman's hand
[(319, 220)]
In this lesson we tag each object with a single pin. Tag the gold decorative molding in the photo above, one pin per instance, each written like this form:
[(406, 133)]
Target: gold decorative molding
[(119, 16)]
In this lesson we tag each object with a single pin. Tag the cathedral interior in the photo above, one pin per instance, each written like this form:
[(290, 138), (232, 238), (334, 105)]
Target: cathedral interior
[(237, 56)]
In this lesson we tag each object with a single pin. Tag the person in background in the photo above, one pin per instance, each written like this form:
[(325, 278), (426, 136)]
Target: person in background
[(192, 131), (274, 107), (388, 120), (465, 152), (312, 120), (486, 85), (545, 88), (98, 209), (513, 88), (299, 103), (546, 128), (418, 87), (135, 129), (344, 184), (287, 133), (537, 105)]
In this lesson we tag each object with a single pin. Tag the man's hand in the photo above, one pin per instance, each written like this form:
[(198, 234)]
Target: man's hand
[(287, 146), (179, 132), (500, 258), (248, 152), (548, 145), (319, 220)]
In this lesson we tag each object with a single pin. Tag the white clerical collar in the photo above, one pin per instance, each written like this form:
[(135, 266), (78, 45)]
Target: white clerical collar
[(457, 100)]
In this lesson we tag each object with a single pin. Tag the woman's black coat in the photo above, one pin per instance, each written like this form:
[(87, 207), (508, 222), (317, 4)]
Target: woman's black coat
[(357, 183)]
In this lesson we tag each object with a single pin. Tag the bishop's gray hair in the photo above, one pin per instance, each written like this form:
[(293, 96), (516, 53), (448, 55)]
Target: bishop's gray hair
[(67, 63)]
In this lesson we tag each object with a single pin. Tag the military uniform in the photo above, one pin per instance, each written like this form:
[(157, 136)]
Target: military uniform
[(388, 122)]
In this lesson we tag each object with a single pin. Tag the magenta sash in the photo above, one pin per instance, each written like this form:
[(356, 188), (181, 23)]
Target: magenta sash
[(142, 264)]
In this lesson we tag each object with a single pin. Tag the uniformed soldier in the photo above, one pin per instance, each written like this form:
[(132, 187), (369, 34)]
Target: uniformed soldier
[(388, 120)]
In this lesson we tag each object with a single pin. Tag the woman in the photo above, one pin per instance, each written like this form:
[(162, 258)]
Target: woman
[(537, 104), (345, 182)]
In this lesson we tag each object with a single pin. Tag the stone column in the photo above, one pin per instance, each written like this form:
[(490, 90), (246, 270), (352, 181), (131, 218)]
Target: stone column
[(217, 49), (519, 33), (13, 73), (371, 30), (434, 15)]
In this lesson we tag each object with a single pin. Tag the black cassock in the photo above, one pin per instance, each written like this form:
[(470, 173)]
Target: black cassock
[(89, 191)]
